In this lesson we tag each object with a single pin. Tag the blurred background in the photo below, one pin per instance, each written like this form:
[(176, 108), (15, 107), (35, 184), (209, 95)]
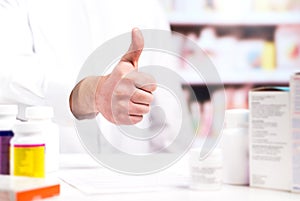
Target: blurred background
[(252, 43)]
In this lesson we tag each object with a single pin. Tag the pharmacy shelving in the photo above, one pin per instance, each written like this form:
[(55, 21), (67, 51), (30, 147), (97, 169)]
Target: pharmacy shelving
[(256, 21), (246, 19), (254, 76)]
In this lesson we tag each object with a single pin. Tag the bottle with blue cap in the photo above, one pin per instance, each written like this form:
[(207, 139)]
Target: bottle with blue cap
[(8, 115)]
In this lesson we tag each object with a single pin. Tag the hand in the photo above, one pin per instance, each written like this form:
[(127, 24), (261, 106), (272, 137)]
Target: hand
[(125, 95), (122, 97)]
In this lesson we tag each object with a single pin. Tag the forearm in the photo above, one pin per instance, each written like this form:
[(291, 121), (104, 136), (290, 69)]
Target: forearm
[(83, 97)]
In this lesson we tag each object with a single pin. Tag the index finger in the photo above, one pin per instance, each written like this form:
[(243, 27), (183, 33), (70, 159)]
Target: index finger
[(145, 82)]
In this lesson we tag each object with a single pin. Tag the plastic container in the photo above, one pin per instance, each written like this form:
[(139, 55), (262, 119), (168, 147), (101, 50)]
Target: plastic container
[(43, 115), (28, 150), (235, 147), (206, 174), (268, 61), (7, 119)]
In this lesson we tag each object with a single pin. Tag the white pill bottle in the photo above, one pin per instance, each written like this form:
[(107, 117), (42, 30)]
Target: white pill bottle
[(205, 174), (235, 146), (27, 157), (44, 115)]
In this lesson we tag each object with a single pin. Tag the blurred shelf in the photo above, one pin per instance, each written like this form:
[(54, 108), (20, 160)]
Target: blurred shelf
[(247, 19), (279, 76)]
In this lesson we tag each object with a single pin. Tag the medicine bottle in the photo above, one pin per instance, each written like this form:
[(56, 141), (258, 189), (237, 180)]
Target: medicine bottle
[(206, 174), (28, 150), (43, 115), (235, 144), (8, 115)]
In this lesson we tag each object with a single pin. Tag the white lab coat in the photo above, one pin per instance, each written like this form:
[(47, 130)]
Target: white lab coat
[(43, 44)]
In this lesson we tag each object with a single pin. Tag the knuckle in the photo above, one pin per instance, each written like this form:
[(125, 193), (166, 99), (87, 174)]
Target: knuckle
[(138, 109), (149, 83), (141, 96), (136, 119), (143, 109), (147, 109), (150, 98), (137, 95)]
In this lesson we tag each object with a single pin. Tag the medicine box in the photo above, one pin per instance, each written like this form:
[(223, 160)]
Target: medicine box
[(295, 130), (270, 138), (14, 188)]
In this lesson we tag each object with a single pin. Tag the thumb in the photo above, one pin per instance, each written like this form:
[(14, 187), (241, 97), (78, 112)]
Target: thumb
[(135, 49)]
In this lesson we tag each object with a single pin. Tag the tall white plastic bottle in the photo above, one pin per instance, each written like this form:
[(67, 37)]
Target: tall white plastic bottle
[(235, 146), (27, 150), (44, 115)]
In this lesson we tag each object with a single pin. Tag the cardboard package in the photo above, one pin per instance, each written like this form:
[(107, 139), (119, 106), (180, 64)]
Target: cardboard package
[(295, 130), (270, 138)]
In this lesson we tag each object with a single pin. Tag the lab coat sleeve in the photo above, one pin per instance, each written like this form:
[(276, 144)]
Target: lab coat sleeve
[(21, 79), (24, 79)]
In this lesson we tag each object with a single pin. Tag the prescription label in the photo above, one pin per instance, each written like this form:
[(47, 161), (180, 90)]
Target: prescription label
[(29, 160)]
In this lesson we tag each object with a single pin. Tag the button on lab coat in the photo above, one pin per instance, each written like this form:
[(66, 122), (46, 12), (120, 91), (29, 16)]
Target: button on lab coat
[(44, 43)]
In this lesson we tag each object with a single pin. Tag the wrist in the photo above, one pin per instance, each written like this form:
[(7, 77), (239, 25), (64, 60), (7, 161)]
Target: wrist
[(99, 95), (82, 98)]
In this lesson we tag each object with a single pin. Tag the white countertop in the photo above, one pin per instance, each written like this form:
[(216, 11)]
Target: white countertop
[(80, 162)]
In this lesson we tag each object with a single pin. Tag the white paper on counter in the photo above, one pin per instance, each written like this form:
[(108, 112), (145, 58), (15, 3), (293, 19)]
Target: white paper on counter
[(102, 181)]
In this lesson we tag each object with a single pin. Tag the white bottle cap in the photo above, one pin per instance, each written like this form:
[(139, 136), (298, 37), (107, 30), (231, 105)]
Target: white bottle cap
[(8, 110), (27, 127), (236, 118), (39, 112)]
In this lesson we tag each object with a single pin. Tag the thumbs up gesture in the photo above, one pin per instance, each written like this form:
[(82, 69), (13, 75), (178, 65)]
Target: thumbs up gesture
[(123, 96)]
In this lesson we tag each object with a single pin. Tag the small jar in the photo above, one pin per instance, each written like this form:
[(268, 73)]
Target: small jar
[(44, 115), (28, 150), (206, 174), (8, 115), (235, 144)]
